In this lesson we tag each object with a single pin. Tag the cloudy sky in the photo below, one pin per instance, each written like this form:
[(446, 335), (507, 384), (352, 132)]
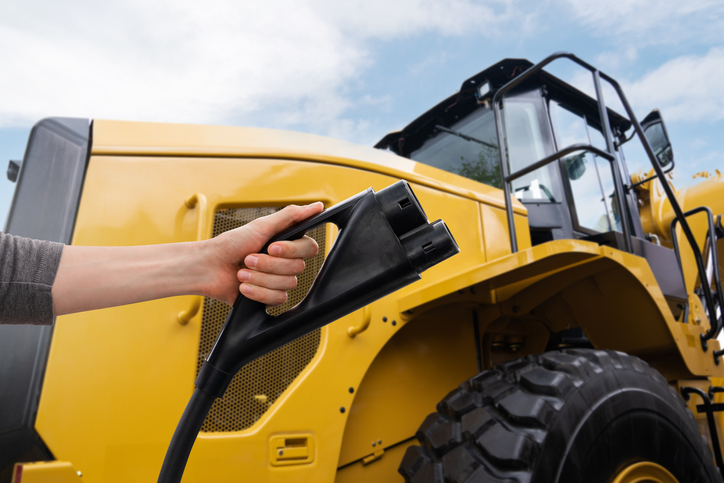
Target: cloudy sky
[(353, 69)]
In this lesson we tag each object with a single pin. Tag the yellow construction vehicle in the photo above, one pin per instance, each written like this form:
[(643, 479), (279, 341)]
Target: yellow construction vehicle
[(573, 338)]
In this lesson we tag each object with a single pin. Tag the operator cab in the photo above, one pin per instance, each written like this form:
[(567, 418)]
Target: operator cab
[(573, 198), (563, 159)]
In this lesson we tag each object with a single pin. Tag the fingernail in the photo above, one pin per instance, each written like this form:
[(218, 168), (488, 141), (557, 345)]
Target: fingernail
[(244, 276), (251, 261), (245, 289), (275, 250)]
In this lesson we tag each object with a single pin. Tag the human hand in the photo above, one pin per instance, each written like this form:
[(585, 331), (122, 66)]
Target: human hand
[(264, 278)]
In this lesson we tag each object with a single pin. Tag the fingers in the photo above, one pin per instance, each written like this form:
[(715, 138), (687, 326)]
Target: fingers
[(266, 278), (305, 247), (267, 288), (270, 225), (285, 257), (274, 265), (263, 295)]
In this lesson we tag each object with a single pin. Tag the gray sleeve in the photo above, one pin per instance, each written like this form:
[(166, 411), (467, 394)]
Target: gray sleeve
[(27, 272)]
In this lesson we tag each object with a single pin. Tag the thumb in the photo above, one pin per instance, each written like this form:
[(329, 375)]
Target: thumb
[(270, 225)]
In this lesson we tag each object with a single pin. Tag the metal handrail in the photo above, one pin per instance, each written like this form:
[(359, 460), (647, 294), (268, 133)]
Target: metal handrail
[(563, 152), (715, 325), (623, 209)]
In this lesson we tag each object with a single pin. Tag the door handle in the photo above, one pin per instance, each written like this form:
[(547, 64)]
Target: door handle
[(198, 200), (185, 316)]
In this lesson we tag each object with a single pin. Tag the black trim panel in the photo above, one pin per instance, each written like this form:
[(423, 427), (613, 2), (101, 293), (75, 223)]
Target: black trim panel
[(44, 207)]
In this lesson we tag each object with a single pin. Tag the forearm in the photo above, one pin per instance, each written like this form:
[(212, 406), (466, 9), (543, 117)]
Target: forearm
[(97, 277)]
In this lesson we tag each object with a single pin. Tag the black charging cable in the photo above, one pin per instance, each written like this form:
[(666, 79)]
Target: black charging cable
[(184, 437)]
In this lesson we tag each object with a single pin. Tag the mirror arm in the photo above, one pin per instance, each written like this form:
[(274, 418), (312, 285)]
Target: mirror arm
[(625, 139)]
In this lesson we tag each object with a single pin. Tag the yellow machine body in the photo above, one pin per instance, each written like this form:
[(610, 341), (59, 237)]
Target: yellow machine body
[(134, 194), (117, 380)]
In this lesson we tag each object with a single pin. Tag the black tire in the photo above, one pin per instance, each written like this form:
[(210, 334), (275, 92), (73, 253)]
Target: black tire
[(572, 416)]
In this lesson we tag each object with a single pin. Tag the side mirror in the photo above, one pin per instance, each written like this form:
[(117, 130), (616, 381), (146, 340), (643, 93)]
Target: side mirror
[(658, 137), (576, 166)]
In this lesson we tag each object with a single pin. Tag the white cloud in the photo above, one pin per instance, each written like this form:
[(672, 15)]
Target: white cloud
[(220, 61), (699, 143), (435, 60), (687, 88), (385, 19), (381, 103), (181, 63), (612, 60), (651, 22), (582, 80)]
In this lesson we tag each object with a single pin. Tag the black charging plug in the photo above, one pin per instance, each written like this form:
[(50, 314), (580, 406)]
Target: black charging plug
[(385, 241)]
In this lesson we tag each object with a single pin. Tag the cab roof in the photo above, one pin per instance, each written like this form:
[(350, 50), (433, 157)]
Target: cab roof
[(460, 104)]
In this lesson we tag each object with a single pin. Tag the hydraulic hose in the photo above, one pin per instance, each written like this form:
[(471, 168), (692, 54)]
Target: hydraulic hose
[(185, 435)]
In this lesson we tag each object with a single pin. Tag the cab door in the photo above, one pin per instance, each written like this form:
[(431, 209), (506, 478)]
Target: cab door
[(590, 186)]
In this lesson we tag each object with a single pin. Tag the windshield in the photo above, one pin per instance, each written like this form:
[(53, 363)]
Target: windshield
[(527, 141), (474, 160)]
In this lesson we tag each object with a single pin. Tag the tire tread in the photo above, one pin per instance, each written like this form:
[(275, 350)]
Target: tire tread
[(492, 427)]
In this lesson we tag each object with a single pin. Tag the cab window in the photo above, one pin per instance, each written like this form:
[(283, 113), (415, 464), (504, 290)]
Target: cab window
[(589, 176), (474, 160)]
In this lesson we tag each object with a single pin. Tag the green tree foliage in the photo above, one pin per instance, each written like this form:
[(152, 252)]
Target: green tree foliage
[(485, 169)]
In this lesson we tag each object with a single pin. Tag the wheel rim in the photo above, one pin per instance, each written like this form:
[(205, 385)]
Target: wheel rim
[(645, 472)]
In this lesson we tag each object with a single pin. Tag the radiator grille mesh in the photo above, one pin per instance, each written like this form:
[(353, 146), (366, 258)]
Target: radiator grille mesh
[(261, 381)]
